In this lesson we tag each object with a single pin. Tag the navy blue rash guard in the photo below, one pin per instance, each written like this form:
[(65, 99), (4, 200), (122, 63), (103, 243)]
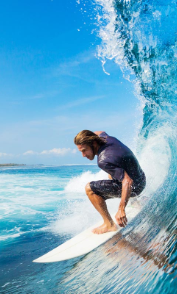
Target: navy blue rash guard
[(115, 158)]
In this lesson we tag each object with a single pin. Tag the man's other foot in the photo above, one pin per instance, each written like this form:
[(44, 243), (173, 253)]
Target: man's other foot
[(105, 228)]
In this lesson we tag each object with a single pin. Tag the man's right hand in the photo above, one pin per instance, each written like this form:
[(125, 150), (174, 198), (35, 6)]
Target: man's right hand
[(126, 191), (98, 132), (121, 217)]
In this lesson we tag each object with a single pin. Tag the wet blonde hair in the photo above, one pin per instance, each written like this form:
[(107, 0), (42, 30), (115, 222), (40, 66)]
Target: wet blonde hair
[(88, 137)]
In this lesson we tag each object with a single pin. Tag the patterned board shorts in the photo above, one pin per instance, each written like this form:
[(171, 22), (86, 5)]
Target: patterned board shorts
[(108, 189)]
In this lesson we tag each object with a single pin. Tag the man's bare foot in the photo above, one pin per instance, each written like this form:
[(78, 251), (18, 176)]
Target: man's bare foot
[(104, 228)]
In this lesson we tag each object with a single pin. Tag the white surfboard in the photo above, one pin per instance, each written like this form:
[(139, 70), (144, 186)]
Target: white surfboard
[(83, 243)]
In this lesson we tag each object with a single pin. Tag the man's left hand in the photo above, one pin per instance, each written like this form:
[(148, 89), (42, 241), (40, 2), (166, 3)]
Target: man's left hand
[(121, 217)]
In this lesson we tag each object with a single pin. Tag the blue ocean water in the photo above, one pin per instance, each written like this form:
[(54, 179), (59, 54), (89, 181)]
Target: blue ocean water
[(41, 207)]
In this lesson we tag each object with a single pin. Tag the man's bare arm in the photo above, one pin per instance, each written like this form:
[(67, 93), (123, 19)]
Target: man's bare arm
[(126, 192), (98, 132)]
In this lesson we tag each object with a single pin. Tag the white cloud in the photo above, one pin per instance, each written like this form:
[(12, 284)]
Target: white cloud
[(54, 151), (57, 151), (4, 154), (30, 152)]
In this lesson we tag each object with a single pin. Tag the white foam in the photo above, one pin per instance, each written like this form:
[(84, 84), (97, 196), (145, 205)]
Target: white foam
[(16, 232), (112, 47), (79, 215), (13, 236), (155, 158), (77, 184), (5, 285)]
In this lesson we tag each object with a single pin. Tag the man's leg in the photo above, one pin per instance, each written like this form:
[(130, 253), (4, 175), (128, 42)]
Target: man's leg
[(100, 205)]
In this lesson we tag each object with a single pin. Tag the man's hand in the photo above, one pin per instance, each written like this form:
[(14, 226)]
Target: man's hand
[(121, 217), (99, 132), (126, 191)]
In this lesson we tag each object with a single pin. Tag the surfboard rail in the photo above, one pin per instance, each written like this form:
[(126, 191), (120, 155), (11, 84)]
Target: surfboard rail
[(82, 243)]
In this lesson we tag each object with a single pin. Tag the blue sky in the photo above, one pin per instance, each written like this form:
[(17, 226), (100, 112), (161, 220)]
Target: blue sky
[(52, 85)]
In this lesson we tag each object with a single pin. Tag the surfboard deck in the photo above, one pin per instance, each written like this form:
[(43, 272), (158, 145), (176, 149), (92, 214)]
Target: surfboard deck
[(84, 242)]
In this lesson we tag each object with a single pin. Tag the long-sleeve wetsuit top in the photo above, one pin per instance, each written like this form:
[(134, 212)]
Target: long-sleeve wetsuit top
[(115, 158)]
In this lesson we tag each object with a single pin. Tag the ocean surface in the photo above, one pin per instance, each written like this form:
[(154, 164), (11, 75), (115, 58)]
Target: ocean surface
[(40, 208), (43, 206)]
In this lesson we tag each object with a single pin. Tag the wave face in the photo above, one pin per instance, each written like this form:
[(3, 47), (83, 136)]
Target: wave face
[(141, 37)]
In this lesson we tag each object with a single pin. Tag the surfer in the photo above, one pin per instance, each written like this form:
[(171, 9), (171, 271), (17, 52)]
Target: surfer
[(126, 178)]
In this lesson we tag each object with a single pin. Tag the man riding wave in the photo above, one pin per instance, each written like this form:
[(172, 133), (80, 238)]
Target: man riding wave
[(126, 178)]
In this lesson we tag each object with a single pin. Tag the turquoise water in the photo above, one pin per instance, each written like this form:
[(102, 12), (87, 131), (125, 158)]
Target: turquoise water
[(41, 207)]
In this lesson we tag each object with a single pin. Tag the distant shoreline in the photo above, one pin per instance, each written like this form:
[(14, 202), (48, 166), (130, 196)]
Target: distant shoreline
[(11, 164), (49, 165)]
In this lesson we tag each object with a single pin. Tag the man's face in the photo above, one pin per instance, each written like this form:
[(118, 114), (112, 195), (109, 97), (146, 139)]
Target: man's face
[(86, 151)]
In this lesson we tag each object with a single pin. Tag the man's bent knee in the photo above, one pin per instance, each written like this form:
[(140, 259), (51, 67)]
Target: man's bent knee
[(109, 176), (88, 190)]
